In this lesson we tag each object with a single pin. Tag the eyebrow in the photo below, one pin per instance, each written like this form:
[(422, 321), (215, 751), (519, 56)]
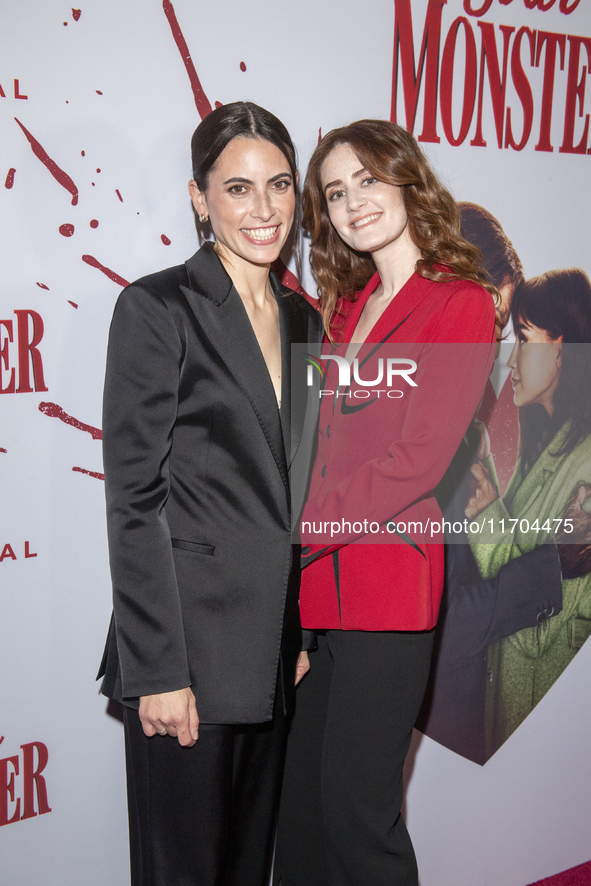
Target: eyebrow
[(238, 180), (357, 174)]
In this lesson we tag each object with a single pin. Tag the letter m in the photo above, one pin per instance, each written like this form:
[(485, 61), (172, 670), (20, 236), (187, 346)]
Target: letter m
[(412, 74)]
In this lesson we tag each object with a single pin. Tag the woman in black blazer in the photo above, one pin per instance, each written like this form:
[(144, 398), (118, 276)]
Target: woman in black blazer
[(205, 638)]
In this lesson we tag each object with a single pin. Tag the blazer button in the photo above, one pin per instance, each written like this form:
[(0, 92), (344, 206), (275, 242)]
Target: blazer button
[(306, 550), (328, 431), (324, 471)]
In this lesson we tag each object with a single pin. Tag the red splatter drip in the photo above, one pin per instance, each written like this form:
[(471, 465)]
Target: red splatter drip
[(319, 134), (242, 66), (1, 736), (94, 223), (98, 92), (66, 230), (42, 286), (73, 303), (10, 178), (3, 450), (99, 169), (502, 422), (201, 100), (165, 239), (90, 473), (76, 13), (59, 175), (55, 411), (91, 260), (119, 194), (290, 280), (83, 153), (65, 24), (219, 104), (92, 183)]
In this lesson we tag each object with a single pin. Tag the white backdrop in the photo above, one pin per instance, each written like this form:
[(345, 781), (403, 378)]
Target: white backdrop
[(109, 108)]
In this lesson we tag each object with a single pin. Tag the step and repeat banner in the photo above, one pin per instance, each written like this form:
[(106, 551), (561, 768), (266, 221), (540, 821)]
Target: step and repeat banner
[(97, 108)]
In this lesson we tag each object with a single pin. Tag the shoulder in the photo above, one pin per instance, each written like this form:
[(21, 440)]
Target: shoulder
[(465, 309), (159, 285)]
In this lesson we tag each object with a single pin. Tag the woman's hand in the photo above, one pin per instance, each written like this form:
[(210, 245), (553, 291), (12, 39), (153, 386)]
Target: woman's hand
[(484, 492), (302, 667), (171, 713)]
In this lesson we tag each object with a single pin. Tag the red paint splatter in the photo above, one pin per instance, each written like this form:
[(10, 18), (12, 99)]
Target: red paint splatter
[(201, 100), (55, 411), (59, 175), (73, 303), (3, 450), (219, 104), (90, 473), (119, 194), (98, 170), (76, 13), (1, 736), (43, 286), (10, 178), (94, 223), (83, 153), (242, 66), (319, 134), (165, 239), (66, 230), (91, 260), (92, 183), (65, 24), (98, 92)]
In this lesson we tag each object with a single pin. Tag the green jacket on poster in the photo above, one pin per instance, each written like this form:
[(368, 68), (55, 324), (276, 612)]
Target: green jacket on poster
[(523, 667)]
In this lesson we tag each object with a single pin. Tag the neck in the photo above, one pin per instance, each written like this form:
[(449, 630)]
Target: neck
[(251, 280), (396, 264)]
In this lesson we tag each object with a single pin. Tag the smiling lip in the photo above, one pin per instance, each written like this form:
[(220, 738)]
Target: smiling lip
[(365, 220), (261, 235)]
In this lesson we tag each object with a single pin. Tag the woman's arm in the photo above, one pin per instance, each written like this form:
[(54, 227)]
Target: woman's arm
[(140, 407)]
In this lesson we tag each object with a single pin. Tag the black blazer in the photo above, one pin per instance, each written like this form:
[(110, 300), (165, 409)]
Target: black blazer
[(197, 475)]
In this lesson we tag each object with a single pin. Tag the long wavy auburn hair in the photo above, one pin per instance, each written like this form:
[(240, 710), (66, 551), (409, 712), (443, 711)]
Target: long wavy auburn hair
[(391, 155)]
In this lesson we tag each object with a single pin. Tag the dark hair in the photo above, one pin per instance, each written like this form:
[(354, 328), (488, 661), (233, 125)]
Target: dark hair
[(392, 155), (558, 302), (240, 120), (500, 261)]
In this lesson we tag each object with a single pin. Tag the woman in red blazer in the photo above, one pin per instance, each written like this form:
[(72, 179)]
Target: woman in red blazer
[(397, 282)]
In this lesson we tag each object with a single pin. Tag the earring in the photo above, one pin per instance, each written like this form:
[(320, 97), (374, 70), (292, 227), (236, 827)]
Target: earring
[(203, 219)]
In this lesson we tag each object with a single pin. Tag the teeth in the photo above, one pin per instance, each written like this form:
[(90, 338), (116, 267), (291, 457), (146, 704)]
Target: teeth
[(366, 220), (261, 233)]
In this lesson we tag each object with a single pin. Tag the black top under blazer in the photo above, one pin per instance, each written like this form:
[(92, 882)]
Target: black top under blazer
[(198, 460)]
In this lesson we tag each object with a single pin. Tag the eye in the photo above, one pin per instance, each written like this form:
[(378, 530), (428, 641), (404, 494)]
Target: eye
[(335, 195), (282, 185), (369, 180), (237, 189)]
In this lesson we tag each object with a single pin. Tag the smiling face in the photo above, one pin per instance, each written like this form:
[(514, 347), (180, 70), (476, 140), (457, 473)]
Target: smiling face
[(250, 201), (369, 215), (535, 363)]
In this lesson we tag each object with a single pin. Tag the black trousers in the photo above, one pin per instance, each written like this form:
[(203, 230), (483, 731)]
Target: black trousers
[(203, 816), (339, 821)]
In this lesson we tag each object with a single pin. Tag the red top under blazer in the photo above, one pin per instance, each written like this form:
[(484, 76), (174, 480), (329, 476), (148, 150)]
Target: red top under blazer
[(384, 461)]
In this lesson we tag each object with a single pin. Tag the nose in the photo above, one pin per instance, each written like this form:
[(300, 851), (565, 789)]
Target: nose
[(355, 200), (263, 208), (512, 361)]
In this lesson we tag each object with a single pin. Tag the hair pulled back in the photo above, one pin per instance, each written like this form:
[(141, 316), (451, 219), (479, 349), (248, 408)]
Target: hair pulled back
[(238, 120), (392, 155)]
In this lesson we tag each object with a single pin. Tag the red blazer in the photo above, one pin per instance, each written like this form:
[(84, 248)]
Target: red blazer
[(380, 458)]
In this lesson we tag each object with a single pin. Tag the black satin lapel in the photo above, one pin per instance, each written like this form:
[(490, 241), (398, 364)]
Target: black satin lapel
[(222, 316), (293, 327)]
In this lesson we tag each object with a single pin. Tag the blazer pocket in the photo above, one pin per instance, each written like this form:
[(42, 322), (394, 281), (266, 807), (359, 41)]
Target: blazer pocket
[(192, 546)]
